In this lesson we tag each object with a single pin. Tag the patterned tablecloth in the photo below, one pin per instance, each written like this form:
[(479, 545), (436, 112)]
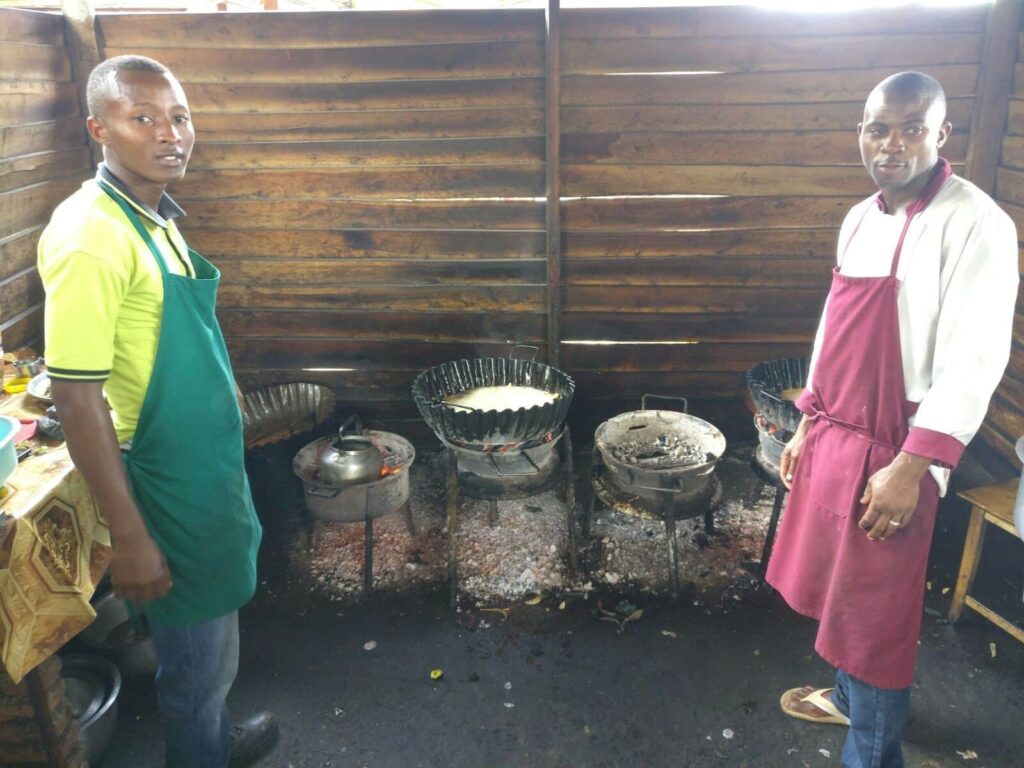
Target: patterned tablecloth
[(54, 547)]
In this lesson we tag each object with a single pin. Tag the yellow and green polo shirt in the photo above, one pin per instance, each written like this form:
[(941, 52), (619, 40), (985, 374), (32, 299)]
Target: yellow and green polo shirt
[(105, 293)]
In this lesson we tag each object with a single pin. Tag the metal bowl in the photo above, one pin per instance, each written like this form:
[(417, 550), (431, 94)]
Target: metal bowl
[(276, 413), (98, 727), (768, 380), (492, 427), (39, 388)]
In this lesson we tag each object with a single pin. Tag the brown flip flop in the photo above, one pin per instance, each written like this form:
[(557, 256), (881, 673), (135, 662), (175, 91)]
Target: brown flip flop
[(818, 699)]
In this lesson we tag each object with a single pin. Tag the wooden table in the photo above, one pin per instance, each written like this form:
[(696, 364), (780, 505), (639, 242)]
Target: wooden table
[(54, 547), (989, 504)]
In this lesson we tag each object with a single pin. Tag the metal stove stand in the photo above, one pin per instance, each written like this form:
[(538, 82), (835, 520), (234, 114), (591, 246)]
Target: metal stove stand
[(667, 514), (770, 474), (453, 489)]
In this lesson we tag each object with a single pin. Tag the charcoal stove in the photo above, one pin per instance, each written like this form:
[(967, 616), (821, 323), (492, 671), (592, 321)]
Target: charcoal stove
[(361, 501), (658, 465), (776, 418), (496, 454)]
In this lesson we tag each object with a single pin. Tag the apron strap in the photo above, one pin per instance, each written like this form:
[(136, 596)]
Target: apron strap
[(940, 173), (133, 217)]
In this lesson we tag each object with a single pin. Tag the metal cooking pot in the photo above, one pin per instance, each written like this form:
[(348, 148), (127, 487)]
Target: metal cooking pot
[(352, 458)]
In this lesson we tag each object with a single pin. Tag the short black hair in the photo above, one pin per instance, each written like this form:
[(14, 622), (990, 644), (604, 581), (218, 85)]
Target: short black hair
[(911, 86), (102, 83)]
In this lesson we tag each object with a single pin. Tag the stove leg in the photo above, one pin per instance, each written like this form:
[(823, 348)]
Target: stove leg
[(673, 555), (769, 539), (492, 513), (453, 529), (709, 522), (410, 525), (588, 517), (570, 501), (368, 550)]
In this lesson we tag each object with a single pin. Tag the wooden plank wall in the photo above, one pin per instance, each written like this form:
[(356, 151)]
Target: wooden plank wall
[(369, 183), (709, 204), (1005, 422), (43, 157)]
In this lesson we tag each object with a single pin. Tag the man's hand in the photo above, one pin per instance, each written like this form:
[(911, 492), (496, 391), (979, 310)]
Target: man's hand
[(791, 453), (138, 570), (891, 495)]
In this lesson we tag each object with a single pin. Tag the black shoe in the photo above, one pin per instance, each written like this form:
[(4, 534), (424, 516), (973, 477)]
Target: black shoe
[(252, 739)]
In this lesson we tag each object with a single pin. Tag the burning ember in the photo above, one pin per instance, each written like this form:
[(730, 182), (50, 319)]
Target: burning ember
[(663, 451)]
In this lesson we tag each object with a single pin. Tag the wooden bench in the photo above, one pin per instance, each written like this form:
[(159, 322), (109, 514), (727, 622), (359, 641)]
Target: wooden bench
[(990, 504)]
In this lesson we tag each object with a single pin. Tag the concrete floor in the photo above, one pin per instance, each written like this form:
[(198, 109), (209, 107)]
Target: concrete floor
[(685, 685)]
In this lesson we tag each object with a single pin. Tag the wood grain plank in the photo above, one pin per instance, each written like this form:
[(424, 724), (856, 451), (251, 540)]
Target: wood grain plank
[(1013, 152), (605, 385), (772, 180), (18, 253), (463, 327), (25, 329), (648, 23), (1010, 185), (20, 292), (319, 29), (372, 183), (691, 357), (354, 65), (20, 61), (1015, 118), (619, 215), (793, 301), (356, 214), (762, 54), (36, 101), (366, 244), (744, 326), (341, 154), (29, 207), (324, 97), (706, 148), (370, 124), (386, 298), (355, 384), (42, 137), (824, 116), (23, 26), (25, 170), (1002, 445), (284, 272), (703, 271), (758, 88), (366, 355), (722, 244)]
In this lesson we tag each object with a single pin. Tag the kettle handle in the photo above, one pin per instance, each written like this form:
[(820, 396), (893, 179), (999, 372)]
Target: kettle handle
[(352, 425)]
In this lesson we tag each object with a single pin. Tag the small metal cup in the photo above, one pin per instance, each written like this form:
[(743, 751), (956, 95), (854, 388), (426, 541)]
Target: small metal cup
[(29, 367)]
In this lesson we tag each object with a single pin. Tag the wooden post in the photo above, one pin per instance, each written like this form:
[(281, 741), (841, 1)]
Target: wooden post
[(992, 101), (84, 51), (553, 92)]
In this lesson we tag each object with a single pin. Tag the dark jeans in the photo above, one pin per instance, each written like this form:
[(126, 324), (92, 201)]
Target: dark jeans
[(198, 664), (878, 718)]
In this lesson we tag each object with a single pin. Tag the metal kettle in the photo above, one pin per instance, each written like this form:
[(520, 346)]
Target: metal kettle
[(352, 458)]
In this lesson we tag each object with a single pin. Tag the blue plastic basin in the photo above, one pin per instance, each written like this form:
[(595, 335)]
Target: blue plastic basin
[(9, 427)]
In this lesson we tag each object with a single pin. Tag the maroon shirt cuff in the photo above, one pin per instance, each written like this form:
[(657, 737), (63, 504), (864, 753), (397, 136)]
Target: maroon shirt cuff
[(941, 448)]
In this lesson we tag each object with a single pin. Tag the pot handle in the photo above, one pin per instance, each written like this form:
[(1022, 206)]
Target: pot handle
[(686, 403), (352, 424), (329, 493), (533, 358)]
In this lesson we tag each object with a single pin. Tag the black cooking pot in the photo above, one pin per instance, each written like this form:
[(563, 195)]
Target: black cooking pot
[(767, 381), (456, 424)]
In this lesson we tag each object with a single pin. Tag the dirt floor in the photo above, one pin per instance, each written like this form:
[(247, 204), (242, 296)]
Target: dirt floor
[(566, 679)]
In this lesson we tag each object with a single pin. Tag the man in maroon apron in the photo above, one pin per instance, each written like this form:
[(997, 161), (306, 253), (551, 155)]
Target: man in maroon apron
[(913, 340)]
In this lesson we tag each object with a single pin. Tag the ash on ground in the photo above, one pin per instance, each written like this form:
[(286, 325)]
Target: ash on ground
[(525, 553)]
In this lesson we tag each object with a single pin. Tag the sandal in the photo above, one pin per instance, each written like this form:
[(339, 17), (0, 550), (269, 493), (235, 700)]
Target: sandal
[(817, 699)]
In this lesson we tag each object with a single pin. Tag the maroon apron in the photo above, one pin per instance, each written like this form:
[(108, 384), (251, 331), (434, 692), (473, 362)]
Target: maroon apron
[(868, 595)]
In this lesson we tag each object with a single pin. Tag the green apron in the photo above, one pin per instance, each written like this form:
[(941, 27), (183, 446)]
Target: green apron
[(187, 460)]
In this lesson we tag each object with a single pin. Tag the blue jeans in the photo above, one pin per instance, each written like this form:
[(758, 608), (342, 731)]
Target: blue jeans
[(197, 667), (878, 718)]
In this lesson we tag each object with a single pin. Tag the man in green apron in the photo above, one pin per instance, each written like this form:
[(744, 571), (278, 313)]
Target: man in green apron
[(130, 313)]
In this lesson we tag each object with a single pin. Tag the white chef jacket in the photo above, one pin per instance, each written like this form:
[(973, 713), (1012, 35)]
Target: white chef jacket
[(958, 277)]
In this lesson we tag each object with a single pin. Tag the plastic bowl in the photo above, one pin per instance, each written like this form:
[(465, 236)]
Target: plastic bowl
[(9, 427)]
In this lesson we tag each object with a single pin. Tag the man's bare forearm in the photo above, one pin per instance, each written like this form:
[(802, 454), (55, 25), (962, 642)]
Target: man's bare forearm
[(97, 455)]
